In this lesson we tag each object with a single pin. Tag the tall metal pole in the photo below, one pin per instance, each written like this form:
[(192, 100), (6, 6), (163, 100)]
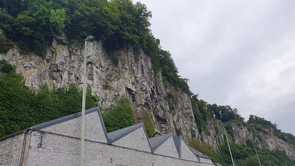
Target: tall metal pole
[(257, 156), (268, 160), (231, 156), (277, 161), (82, 148)]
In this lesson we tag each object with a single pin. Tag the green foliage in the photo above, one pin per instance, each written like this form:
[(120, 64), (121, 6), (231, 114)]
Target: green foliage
[(119, 116), (32, 24), (21, 108), (258, 120), (201, 113), (206, 149), (6, 67), (5, 45), (245, 155), (267, 127), (169, 71), (148, 123), (224, 113), (229, 130), (57, 19), (14, 6), (286, 137)]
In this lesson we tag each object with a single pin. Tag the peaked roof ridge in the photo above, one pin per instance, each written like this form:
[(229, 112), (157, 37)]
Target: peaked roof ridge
[(177, 141), (64, 119), (117, 134), (157, 141), (199, 154)]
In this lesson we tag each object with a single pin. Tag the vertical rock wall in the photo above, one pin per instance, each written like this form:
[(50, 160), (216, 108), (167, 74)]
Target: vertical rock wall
[(133, 78)]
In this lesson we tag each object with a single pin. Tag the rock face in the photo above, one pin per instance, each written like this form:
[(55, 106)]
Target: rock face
[(270, 141), (266, 139), (214, 135), (241, 134), (133, 78)]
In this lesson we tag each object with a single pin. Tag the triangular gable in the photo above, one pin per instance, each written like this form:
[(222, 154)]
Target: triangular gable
[(155, 142), (177, 142), (133, 137), (202, 157), (70, 126), (196, 153), (183, 150), (164, 145)]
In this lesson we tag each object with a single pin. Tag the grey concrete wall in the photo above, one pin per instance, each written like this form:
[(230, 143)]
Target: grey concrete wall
[(167, 148), (93, 128), (205, 160), (186, 153), (59, 144), (10, 150), (61, 150)]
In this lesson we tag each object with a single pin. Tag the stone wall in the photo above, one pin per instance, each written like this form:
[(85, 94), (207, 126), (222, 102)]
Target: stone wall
[(57, 142), (62, 150), (10, 150)]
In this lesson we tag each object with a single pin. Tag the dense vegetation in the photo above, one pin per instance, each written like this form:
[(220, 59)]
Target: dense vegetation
[(264, 125), (119, 24), (148, 123), (21, 108), (119, 116), (243, 154), (32, 24), (122, 115), (201, 113)]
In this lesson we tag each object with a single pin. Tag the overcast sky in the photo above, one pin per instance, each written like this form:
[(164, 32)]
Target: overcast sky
[(234, 52)]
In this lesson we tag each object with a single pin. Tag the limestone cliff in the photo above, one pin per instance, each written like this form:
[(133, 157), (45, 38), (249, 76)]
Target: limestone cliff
[(214, 135), (133, 78)]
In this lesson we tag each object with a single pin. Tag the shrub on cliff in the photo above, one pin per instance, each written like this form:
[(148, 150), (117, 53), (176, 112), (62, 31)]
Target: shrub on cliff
[(21, 108), (32, 24), (148, 123), (119, 115)]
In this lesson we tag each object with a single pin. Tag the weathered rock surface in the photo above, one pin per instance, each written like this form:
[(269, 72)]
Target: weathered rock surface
[(270, 141), (133, 78), (241, 134)]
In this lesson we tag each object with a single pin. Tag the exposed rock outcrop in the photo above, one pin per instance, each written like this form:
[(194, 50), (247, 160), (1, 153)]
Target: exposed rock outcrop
[(133, 78)]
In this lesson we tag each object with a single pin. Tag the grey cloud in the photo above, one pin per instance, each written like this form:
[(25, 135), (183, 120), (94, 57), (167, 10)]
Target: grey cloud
[(233, 52)]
